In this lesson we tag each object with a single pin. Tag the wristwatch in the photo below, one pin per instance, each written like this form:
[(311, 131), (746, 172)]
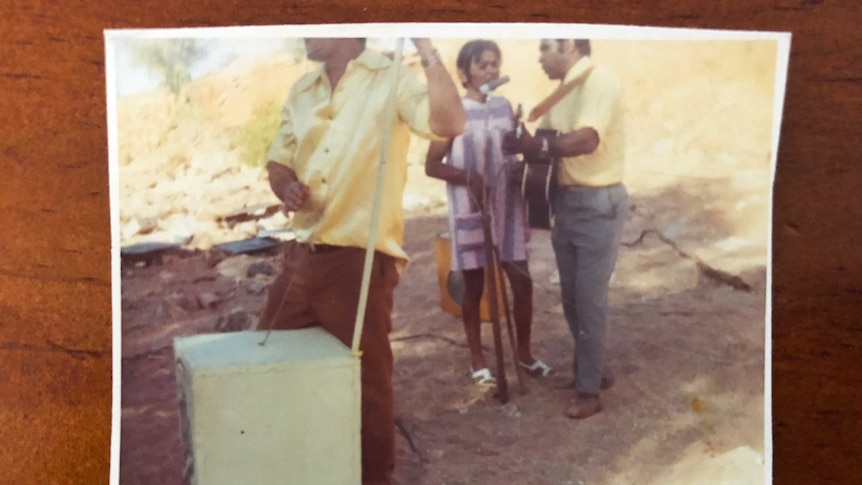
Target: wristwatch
[(434, 58)]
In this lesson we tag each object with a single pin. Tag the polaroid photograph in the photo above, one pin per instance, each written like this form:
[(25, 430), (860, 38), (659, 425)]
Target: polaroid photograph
[(442, 253)]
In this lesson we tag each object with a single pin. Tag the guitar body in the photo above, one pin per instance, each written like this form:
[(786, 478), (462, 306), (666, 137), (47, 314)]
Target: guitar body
[(537, 179)]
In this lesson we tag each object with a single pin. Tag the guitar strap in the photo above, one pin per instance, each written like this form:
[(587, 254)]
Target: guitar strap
[(564, 89)]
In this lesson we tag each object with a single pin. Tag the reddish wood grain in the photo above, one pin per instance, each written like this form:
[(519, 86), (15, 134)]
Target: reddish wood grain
[(55, 318)]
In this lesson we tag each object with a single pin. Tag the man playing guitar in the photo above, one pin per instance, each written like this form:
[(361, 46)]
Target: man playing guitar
[(590, 202)]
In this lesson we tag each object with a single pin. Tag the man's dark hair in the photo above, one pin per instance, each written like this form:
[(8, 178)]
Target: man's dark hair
[(472, 51), (582, 45)]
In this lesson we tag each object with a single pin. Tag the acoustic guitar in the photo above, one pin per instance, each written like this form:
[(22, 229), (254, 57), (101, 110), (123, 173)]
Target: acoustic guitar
[(537, 180)]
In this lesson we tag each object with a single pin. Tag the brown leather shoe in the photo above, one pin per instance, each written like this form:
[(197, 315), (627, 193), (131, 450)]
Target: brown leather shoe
[(608, 382), (584, 406)]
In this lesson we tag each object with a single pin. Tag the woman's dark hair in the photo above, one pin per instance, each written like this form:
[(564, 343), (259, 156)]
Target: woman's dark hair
[(472, 51)]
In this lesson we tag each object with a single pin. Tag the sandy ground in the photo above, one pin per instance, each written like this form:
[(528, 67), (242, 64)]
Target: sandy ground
[(688, 354), (687, 302)]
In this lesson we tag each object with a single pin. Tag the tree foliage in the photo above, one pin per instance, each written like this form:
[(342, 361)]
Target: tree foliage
[(171, 59), (255, 137)]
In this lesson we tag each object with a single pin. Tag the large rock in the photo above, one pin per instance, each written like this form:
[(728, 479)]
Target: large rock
[(257, 286), (236, 321), (261, 268), (236, 267), (209, 299)]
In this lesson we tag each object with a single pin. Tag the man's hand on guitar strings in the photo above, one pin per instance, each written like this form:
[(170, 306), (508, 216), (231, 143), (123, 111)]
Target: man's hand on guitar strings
[(526, 144)]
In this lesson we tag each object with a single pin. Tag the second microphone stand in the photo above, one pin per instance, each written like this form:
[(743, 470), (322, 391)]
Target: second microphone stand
[(492, 270)]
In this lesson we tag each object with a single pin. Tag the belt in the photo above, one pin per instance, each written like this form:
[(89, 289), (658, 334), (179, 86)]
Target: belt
[(319, 248)]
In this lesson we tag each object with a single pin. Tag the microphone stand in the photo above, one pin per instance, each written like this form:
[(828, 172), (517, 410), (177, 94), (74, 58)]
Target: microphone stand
[(492, 270)]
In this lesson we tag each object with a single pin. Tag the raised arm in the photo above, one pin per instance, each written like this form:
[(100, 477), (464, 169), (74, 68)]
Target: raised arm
[(447, 114)]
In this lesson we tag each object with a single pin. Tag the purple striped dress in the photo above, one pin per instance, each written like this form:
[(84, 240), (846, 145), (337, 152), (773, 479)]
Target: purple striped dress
[(509, 228)]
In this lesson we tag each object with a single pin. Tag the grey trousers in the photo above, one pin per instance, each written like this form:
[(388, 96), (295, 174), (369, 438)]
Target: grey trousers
[(588, 224)]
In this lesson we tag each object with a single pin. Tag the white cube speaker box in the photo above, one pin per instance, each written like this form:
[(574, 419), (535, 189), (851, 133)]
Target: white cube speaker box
[(287, 412)]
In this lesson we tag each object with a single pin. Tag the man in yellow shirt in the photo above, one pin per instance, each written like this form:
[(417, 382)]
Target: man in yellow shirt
[(323, 165), (590, 204)]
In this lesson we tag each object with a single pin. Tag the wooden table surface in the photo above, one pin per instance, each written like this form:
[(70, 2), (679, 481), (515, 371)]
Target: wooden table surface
[(55, 274)]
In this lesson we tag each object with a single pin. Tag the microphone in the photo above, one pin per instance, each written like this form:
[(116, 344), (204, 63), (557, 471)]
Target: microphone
[(490, 86)]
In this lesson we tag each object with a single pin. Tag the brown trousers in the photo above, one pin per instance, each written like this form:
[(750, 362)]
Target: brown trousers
[(322, 288)]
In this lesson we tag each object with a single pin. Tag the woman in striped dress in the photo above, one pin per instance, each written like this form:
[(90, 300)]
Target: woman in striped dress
[(471, 164)]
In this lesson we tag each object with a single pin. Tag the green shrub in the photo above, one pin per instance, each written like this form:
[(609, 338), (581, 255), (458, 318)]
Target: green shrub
[(254, 138)]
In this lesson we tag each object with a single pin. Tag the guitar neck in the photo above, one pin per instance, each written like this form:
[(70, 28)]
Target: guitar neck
[(517, 126)]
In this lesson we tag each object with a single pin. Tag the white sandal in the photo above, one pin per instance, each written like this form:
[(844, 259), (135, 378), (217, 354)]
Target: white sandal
[(538, 369), (483, 377)]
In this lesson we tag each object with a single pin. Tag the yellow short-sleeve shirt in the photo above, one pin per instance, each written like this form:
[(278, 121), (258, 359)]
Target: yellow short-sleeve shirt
[(597, 103), (332, 140)]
